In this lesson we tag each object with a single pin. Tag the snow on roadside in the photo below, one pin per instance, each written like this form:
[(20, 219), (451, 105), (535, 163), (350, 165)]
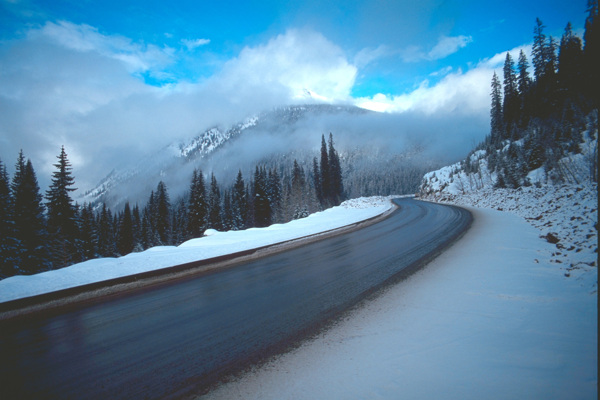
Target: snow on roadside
[(565, 215), (492, 317), (216, 244)]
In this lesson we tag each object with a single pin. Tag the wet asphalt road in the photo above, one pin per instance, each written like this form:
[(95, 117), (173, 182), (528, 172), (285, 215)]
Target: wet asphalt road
[(175, 339)]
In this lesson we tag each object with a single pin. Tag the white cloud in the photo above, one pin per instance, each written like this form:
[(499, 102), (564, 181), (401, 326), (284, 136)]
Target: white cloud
[(296, 61), (448, 45), (368, 55), (465, 93), (445, 46), (85, 38), (70, 84), (193, 44), (458, 92)]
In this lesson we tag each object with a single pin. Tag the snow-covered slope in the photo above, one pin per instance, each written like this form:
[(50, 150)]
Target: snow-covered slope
[(562, 204)]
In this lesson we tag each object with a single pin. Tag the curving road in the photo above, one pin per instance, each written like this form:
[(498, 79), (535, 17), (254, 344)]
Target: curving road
[(174, 339)]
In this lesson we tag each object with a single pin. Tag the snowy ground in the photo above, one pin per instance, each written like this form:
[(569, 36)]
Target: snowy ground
[(494, 317), (565, 215), (213, 245)]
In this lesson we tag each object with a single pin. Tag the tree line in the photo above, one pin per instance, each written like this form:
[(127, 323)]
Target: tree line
[(43, 232), (541, 117)]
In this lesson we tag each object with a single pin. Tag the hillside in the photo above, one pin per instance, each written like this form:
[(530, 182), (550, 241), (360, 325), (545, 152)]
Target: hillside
[(377, 158), (560, 201)]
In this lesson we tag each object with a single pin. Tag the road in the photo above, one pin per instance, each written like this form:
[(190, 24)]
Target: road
[(178, 338)]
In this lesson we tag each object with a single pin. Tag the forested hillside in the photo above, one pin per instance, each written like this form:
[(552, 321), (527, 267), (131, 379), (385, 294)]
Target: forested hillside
[(544, 124)]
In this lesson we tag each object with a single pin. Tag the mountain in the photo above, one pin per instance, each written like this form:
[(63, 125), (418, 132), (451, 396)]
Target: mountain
[(375, 160)]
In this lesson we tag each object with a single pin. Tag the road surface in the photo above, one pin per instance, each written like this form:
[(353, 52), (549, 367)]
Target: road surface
[(179, 338)]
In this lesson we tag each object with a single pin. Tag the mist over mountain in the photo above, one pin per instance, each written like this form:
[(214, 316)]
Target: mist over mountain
[(372, 146)]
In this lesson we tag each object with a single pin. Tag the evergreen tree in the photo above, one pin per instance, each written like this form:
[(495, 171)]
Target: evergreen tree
[(30, 222), (62, 214), (88, 233), (239, 202), (125, 241), (274, 194), (106, 233), (262, 207), (214, 205), (198, 207), (163, 214), (227, 214), (8, 243), (317, 181), (325, 173), (180, 217), (335, 174), (147, 236), (249, 221), (137, 229), (510, 107), (496, 116), (297, 196), (524, 86), (591, 54), (570, 63), (539, 50)]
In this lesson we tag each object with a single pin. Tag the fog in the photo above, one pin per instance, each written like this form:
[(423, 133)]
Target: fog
[(67, 84)]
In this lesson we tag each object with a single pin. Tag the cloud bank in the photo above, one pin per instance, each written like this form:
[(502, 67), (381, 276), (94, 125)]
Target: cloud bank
[(72, 85)]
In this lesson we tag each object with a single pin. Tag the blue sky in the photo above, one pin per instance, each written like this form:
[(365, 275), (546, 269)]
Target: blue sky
[(404, 32), (81, 73)]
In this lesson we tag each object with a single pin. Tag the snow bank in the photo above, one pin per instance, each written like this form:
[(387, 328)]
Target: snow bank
[(492, 317), (214, 245), (566, 216)]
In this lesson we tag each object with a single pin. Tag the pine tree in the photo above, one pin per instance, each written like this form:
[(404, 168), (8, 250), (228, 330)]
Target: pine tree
[(249, 221), (274, 194), (539, 51), (262, 207), (125, 240), (198, 207), (591, 54), (496, 115), (88, 233), (137, 229), (62, 214), (8, 243), (297, 198), (180, 217), (227, 213), (570, 63), (163, 214), (30, 222), (524, 87), (325, 174), (317, 181), (510, 107), (214, 205), (239, 202), (335, 174), (106, 233)]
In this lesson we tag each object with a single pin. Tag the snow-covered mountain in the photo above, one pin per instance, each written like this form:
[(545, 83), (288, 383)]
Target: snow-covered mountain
[(365, 140)]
